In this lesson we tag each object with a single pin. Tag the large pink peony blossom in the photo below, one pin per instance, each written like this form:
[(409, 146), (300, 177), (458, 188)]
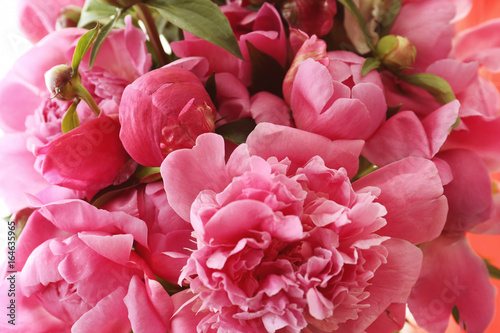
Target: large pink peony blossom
[(164, 110), (289, 243)]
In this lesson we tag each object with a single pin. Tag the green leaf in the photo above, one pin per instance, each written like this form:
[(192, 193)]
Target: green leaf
[(70, 120), (101, 37), (237, 131), (94, 11), (369, 64), (389, 17), (435, 85), (202, 18), (84, 44), (267, 73), (492, 269), (354, 10), (456, 316)]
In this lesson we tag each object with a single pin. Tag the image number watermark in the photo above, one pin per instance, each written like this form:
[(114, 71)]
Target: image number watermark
[(11, 271)]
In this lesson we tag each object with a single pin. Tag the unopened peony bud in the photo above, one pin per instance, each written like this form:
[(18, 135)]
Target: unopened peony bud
[(396, 52), (120, 3), (68, 17), (58, 81)]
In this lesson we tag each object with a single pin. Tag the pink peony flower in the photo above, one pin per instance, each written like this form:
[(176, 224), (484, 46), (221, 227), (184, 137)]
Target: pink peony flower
[(289, 243), (34, 120), (37, 18), (336, 101), (106, 288), (164, 110)]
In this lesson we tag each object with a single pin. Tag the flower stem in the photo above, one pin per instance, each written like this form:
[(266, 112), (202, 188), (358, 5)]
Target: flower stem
[(84, 94), (145, 16)]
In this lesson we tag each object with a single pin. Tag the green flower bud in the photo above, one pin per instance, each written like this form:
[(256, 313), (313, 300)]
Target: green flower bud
[(120, 3), (396, 52), (58, 81), (68, 17)]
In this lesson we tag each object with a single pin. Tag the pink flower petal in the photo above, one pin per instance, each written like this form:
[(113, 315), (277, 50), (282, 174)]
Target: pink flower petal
[(412, 180), (446, 282)]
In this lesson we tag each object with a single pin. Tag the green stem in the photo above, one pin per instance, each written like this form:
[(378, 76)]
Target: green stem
[(84, 94), (145, 16)]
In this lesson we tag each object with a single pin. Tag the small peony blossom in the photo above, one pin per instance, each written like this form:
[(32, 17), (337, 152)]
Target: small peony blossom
[(68, 17)]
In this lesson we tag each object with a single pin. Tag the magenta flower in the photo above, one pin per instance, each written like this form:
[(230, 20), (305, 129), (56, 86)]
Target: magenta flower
[(164, 110), (289, 243)]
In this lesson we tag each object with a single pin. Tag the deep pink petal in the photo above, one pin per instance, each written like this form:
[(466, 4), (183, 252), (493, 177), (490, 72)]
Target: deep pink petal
[(414, 180), (469, 194)]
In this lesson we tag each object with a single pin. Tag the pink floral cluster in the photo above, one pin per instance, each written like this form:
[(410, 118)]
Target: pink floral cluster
[(347, 204)]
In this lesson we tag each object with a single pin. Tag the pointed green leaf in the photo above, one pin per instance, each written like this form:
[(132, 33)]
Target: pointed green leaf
[(267, 73), (70, 120), (389, 17), (237, 131), (369, 64), (202, 18), (84, 44), (435, 85), (101, 37), (94, 11)]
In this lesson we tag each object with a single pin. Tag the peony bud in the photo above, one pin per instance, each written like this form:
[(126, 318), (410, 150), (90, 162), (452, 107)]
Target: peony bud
[(120, 3), (396, 52), (68, 17), (58, 81)]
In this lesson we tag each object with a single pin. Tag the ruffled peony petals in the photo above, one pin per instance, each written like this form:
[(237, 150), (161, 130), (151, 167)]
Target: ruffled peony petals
[(185, 319), (299, 146), (88, 158), (412, 180), (446, 282), (116, 248), (469, 194), (187, 172), (392, 283), (149, 306)]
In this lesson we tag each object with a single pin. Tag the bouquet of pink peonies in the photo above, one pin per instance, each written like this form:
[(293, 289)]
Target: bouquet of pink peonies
[(190, 166)]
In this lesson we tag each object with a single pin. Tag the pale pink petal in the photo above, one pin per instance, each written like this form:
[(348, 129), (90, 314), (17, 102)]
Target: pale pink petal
[(269, 140), (446, 282), (438, 124), (149, 307), (480, 43), (269, 108), (187, 172), (424, 219), (109, 315)]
